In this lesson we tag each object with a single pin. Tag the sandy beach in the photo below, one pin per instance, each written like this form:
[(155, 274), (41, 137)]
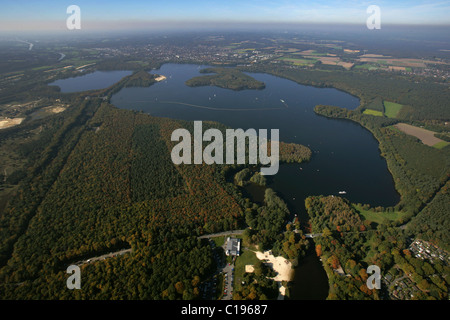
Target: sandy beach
[(279, 264), (160, 78)]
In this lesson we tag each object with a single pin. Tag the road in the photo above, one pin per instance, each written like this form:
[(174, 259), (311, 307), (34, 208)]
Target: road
[(103, 257), (220, 234), (313, 235)]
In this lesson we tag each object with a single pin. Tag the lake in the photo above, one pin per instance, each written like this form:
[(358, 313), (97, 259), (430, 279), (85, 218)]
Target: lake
[(91, 81), (345, 155)]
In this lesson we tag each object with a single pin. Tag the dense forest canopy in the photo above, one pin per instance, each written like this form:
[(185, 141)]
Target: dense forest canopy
[(227, 78)]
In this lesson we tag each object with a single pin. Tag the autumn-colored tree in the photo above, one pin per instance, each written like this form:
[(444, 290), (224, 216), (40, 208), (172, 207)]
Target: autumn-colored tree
[(252, 295), (319, 250), (366, 290), (406, 252), (179, 286), (195, 281), (196, 292), (333, 261), (363, 274)]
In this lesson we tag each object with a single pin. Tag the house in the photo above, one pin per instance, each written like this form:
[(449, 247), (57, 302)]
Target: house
[(232, 247)]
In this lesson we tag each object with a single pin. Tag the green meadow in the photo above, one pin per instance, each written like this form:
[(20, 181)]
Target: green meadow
[(373, 112), (378, 217), (299, 62), (441, 145), (391, 109), (246, 257)]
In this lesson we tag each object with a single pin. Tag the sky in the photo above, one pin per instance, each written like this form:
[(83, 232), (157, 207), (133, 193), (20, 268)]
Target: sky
[(119, 14)]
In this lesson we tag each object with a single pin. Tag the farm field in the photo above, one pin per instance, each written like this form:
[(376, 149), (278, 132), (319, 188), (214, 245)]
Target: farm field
[(426, 136)]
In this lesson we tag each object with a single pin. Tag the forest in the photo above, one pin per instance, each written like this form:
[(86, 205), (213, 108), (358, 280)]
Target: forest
[(349, 245), (100, 179), (227, 78), (96, 204)]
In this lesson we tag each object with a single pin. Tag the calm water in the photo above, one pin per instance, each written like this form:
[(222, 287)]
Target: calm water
[(345, 155), (92, 81)]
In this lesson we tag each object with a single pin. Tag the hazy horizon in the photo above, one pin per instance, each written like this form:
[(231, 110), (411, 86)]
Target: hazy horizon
[(48, 15)]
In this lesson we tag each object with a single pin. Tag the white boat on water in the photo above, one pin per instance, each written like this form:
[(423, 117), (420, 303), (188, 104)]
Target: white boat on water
[(342, 192), (282, 100)]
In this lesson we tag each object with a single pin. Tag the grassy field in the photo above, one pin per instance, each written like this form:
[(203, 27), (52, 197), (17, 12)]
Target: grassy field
[(219, 241), (391, 109), (312, 53), (298, 62), (41, 68), (378, 217), (373, 112), (247, 257), (366, 66), (441, 145)]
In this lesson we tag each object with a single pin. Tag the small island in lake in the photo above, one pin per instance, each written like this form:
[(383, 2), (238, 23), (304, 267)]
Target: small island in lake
[(226, 78)]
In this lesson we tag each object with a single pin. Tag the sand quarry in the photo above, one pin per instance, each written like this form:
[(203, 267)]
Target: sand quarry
[(10, 122)]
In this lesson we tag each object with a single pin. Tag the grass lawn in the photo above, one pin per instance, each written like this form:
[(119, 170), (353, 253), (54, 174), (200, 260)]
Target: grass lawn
[(378, 217), (219, 241), (313, 53), (367, 66), (391, 109), (299, 62), (41, 68), (373, 112), (247, 257), (441, 145)]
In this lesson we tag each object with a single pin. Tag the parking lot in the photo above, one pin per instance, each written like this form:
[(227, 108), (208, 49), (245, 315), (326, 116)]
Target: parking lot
[(223, 273)]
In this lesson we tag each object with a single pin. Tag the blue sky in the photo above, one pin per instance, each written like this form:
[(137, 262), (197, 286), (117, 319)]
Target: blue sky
[(48, 14)]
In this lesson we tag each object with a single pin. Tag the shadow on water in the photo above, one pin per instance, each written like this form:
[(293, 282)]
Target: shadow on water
[(310, 279)]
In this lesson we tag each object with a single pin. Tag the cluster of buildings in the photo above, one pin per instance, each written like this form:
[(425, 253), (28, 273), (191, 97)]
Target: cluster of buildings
[(401, 288), (425, 250)]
